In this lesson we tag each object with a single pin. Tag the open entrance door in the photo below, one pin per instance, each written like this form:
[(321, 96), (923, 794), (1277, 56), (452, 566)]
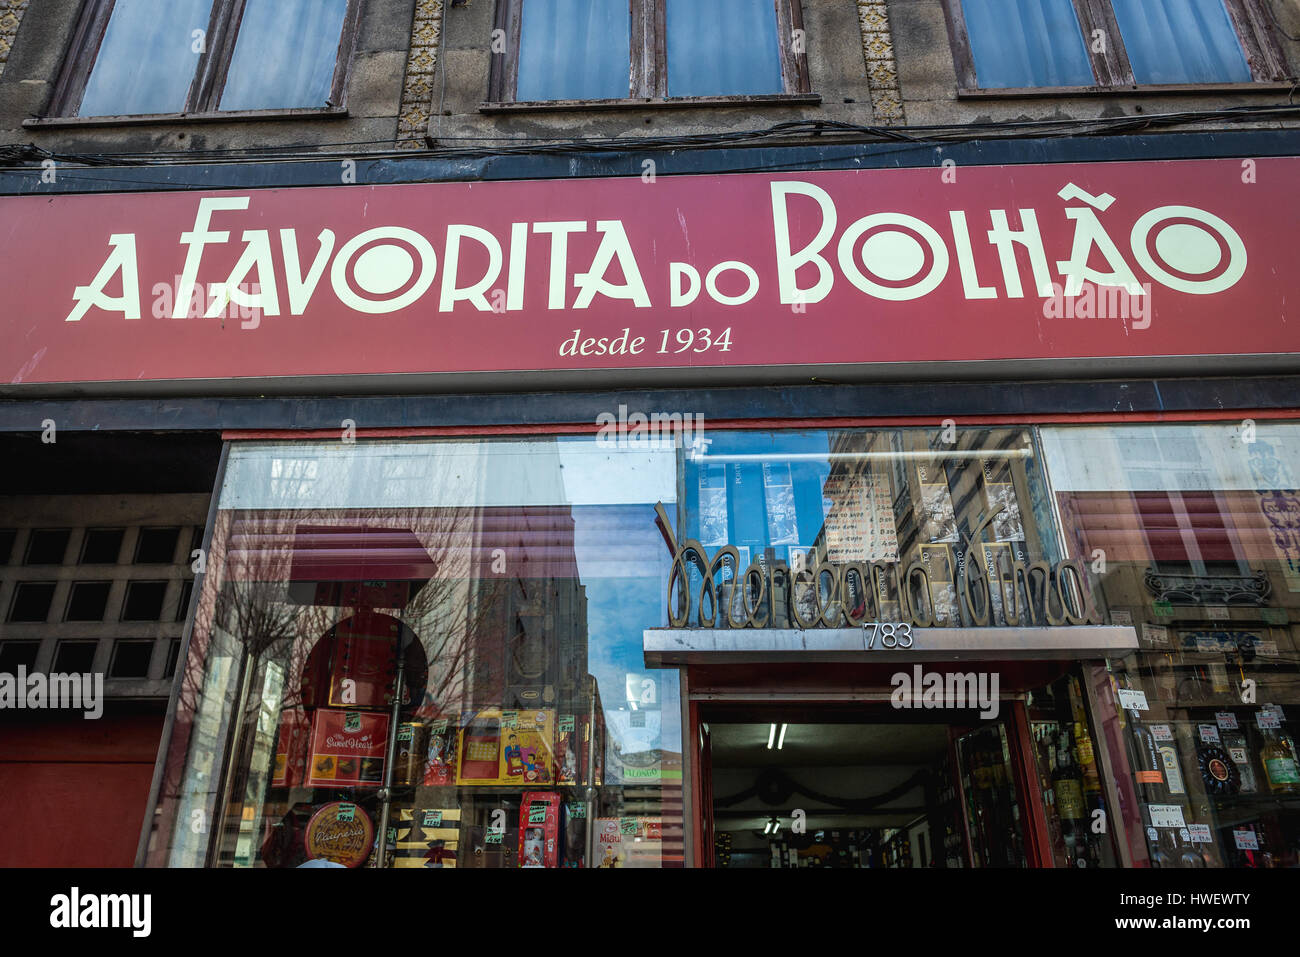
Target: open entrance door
[(824, 766), (828, 786)]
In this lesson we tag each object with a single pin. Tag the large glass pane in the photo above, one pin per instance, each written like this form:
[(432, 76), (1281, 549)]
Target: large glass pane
[(1022, 43), (1181, 41), (872, 505), (723, 48), (574, 50), (147, 59), (464, 618), (796, 531), (1194, 531), (285, 54)]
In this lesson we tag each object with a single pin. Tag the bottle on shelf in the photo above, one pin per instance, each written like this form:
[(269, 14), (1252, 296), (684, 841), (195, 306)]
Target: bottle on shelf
[(1234, 742), (1168, 752), (1149, 769), (1279, 760)]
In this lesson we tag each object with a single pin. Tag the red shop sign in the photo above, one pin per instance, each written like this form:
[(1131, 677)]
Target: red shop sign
[(1055, 262)]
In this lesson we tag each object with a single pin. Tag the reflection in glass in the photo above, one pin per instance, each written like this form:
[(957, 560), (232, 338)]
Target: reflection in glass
[(285, 55), (574, 50), (723, 48), (460, 619), (1022, 43), (1181, 41), (893, 514), (1199, 528), (147, 58)]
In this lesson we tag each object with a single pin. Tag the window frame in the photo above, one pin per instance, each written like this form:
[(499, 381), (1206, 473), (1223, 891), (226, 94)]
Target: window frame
[(648, 63), (203, 98), (1111, 67)]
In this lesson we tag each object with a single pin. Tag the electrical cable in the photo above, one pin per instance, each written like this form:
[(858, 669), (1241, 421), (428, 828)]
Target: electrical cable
[(14, 156)]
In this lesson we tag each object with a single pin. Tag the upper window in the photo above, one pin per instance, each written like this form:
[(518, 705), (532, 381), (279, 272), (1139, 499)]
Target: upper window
[(1037, 44), (147, 57), (584, 50)]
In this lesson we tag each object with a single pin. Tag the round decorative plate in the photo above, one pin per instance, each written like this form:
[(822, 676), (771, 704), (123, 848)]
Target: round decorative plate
[(1217, 770)]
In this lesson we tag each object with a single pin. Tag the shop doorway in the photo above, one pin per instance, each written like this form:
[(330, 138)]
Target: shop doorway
[(866, 786)]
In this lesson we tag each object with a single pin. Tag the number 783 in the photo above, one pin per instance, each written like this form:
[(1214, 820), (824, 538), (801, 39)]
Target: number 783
[(889, 634)]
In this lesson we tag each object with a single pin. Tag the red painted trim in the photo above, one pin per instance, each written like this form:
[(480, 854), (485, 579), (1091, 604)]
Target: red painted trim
[(1023, 753), (699, 794), (581, 428)]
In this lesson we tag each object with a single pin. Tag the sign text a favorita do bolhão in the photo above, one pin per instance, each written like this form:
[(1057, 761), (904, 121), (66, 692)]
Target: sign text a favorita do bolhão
[(846, 267)]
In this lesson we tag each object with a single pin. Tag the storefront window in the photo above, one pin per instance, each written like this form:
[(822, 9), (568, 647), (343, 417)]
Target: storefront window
[(1193, 534), (928, 529), (428, 654), (891, 516)]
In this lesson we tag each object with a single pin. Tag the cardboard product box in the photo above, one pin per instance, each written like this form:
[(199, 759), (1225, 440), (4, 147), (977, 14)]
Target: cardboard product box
[(629, 842), (522, 743), (571, 736), (609, 843), (573, 835), (409, 757), (440, 753), (347, 749), (364, 666), (293, 742), (427, 837), (539, 829)]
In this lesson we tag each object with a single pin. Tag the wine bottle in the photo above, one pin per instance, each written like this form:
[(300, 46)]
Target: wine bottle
[(1150, 765), (1087, 757), (1067, 782), (1160, 856), (1280, 770), (1173, 772), (1234, 742)]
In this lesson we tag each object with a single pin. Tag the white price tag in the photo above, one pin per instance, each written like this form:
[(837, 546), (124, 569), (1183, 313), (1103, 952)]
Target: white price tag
[(1161, 732), (1207, 646), (1226, 720), (1155, 634), (1132, 700), (1121, 617), (1166, 815), (1238, 755), (1200, 833), (1266, 649), (1209, 734), (1267, 719), (1245, 839)]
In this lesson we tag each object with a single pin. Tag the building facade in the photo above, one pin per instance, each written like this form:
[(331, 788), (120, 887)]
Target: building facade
[(638, 433)]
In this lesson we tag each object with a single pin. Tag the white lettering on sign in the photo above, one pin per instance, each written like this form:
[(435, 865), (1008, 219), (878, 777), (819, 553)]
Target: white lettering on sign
[(885, 254)]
